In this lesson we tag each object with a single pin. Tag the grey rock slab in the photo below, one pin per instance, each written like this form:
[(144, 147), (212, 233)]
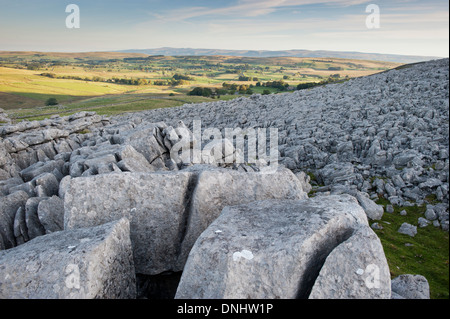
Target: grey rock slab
[(74, 264), (372, 209), (20, 227), (51, 214), (155, 204), (411, 287), (430, 183), (143, 139), (34, 225), (376, 226), (4, 155), (132, 161), (337, 173), (26, 187), (356, 269), (48, 182), (430, 214), (268, 249), (408, 229), (304, 180), (423, 222), (395, 295), (63, 185), (8, 209), (39, 168), (7, 185), (216, 189)]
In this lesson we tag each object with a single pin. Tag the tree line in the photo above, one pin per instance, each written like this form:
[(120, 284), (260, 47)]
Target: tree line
[(281, 86), (177, 79)]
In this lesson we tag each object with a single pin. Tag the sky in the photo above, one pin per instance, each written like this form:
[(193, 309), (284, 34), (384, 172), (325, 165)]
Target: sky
[(407, 27)]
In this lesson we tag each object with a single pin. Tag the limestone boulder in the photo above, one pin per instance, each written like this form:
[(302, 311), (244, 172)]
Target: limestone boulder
[(356, 269), (216, 189), (8, 209), (74, 264), (155, 205), (411, 287), (277, 248)]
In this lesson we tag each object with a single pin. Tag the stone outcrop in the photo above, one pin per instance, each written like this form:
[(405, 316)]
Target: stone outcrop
[(155, 204), (169, 210), (276, 249), (359, 265), (73, 264), (28, 143)]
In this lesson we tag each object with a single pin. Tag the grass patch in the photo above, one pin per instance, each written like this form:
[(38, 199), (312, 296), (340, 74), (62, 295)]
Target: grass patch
[(110, 105), (137, 106), (426, 254)]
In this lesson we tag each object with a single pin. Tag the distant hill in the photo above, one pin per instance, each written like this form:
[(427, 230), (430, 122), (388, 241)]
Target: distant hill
[(72, 55), (286, 53)]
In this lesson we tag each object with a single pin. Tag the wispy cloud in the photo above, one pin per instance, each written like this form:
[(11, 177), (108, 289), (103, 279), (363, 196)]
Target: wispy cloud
[(247, 8)]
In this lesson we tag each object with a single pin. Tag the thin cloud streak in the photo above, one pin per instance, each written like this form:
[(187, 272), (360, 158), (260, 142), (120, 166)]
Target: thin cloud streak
[(248, 8)]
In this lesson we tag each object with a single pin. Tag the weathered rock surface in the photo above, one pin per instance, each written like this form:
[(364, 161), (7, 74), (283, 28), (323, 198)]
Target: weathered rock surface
[(276, 249), (77, 264), (4, 118), (168, 211), (216, 189), (408, 229), (32, 221), (27, 143), (411, 287), (359, 265), (372, 210), (155, 204), (51, 214), (8, 208)]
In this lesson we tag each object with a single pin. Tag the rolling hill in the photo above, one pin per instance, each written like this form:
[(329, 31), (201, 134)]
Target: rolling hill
[(286, 53)]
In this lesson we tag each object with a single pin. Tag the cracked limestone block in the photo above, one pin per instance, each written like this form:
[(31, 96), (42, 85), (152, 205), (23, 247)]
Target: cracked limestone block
[(132, 161), (47, 183), (8, 209), (51, 214), (34, 225), (269, 249), (84, 263), (155, 204), (218, 188), (356, 269), (39, 168), (144, 139)]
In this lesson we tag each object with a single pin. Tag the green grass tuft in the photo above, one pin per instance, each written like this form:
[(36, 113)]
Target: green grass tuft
[(426, 254)]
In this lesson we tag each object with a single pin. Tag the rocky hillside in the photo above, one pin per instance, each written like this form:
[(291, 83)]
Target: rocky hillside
[(95, 207), (385, 134)]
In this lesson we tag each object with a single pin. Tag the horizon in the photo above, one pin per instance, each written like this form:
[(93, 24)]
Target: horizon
[(131, 51), (407, 27)]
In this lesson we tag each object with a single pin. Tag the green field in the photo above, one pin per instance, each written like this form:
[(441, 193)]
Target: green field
[(108, 81)]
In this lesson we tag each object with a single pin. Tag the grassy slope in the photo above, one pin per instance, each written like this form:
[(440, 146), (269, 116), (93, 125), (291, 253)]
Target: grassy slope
[(110, 105), (427, 256)]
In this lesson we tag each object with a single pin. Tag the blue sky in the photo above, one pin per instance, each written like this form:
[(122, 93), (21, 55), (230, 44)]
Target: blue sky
[(406, 26)]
